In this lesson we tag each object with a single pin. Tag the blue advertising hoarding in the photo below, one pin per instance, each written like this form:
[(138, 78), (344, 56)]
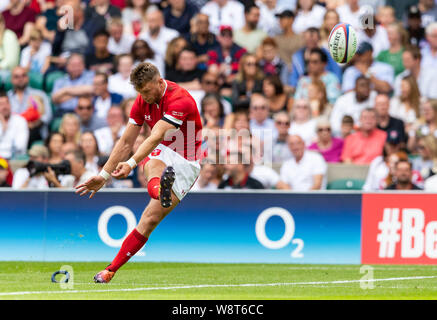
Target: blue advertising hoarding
[(263, 227)]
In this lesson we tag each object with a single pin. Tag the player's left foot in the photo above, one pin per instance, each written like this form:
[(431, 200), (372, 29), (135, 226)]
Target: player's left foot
[(103, 276), (167, 179)]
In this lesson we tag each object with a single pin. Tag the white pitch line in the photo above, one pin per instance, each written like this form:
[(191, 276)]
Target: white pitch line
[(216, 286)]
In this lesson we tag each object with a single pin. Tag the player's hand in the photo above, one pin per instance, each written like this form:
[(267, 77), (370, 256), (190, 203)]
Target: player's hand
[(122, 171), (91, 185)]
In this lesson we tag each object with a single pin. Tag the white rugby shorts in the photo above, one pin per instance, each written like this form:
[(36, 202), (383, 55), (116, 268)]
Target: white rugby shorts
[(186, 171)]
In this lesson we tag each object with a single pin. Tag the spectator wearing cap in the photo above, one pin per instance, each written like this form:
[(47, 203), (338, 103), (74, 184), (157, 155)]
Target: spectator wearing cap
[(300, 58), (317, 63), (14, 132), (352, 104), (157, 34), (224, 12), (305, 171), (328, 146), (32, 104), (381, 75), (201, 39), (309, 15), (250, 37), (367, 143), (288, 42), (403, 175), (394, 127), (22, 177), (77, 82), (177, 15), (225, 58), (415, 30), (5, 173)]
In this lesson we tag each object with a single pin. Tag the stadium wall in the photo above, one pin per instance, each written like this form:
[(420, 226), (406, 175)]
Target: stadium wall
[(243, 227)]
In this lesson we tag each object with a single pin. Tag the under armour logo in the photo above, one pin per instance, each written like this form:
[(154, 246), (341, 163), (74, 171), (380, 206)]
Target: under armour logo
[(147, 117)]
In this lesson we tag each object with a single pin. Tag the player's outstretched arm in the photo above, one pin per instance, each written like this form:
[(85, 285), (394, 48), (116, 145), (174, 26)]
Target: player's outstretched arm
[(156, 136), (120, 153)]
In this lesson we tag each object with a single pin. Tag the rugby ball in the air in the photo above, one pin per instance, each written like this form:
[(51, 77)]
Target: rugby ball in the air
[(342, 43)]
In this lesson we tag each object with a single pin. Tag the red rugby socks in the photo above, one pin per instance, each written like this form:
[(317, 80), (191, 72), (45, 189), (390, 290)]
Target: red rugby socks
[(131, 245), (153, 187)]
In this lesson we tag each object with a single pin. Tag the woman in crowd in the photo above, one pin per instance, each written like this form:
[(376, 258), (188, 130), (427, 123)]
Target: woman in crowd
[(70, 128), (302, 124), (141, 52), (249, 79), (318, 99), (397, 38), (406, 106), (134, 16), (89, 146), (174, 47), (426, 125), (277, 99), (330, 20), (426, 161), (212, 111), (54, 144), (328, 146)]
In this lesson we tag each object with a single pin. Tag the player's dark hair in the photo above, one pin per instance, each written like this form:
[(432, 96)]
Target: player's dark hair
[(3, 92), (362, 77), (142, 74)]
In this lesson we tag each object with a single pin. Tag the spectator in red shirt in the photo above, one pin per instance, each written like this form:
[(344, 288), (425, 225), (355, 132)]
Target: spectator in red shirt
[(20, 19), (367, 143)]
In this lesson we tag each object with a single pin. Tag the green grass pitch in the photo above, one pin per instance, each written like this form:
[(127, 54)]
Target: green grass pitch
[(31, 280)]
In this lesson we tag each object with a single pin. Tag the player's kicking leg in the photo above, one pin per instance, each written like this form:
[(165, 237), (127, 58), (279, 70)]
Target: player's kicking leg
[(160, 182)]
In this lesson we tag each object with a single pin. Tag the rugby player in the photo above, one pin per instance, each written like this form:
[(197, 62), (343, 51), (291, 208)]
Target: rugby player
[(170, 155)]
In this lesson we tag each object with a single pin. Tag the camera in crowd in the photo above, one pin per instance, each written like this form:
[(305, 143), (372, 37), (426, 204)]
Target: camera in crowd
[(61, 168)]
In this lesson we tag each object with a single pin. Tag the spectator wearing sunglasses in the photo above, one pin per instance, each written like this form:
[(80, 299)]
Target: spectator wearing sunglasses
[(280, 151), (328, 146), (88, 118)]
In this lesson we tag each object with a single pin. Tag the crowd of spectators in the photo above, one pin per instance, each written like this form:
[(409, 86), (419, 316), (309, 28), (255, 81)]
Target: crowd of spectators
[(259, 70)]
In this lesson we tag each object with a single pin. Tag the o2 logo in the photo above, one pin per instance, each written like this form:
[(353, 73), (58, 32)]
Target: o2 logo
[(102, 226), (287, 237)]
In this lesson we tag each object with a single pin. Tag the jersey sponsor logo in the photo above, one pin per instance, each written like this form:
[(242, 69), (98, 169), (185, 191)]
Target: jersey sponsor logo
[(177, 113), (155, 153)]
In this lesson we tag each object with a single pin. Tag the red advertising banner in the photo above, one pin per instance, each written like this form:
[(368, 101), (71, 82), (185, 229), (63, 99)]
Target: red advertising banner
[(399, 229)]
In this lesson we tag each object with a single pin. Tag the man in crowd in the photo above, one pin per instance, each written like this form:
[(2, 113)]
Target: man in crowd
[(260, 124), (119, 42), (250, 37), (402, 177), (88, 118), (367, 143), (224, 12), (103, 99), (178, 14), (288, 42), (305, 171), (238, 174), (76, 83), (281, 151)]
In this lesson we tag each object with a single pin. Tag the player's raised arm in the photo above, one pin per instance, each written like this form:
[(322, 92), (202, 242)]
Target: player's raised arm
[(120, 153), (156, 136)]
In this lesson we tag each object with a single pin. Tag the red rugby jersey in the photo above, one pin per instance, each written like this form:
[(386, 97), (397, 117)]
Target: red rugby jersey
[(178, 108)]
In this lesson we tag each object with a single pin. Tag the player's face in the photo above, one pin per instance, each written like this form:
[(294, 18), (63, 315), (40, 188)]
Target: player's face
[(152, 91)]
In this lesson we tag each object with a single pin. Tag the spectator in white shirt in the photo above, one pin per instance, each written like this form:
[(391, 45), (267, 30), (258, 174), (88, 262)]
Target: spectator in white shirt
[(405, 106), (260, 124), (14, 132), (352, 103), (303, 125), (268, 21), (120, 82), (33, 57), (120, 42), (309, 14), (350, 13), (305, 171), (429, 53), (377, 36), (157, 34), (224, 12)]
